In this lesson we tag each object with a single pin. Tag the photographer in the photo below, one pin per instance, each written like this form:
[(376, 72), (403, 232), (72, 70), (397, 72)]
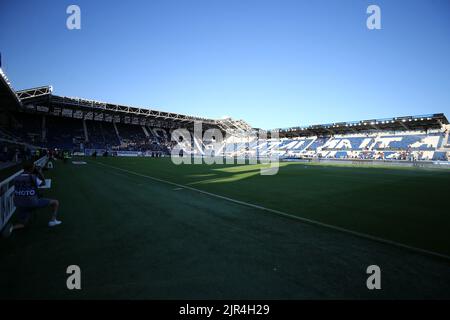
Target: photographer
[(26, 197)]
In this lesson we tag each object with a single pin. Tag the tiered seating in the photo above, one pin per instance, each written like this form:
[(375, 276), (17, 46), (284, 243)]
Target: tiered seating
[(7, 134), (28, 128), (428, 142), (341, 155), (101, 135), (439, 155), (130, 133), (63, 133), (68, 133), (354, 146), (350, 143), (133, 138), (404, 142), (318, 143)]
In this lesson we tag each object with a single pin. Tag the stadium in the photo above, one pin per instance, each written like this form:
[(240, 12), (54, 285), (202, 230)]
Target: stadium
[(163, 205), (357, 178)]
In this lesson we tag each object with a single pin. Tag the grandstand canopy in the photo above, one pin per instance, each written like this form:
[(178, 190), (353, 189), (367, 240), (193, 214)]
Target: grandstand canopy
[(42, 100), (420, 122), (8, 97)]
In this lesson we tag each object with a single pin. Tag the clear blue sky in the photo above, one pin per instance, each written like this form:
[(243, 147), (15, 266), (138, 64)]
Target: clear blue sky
[(272, 63)]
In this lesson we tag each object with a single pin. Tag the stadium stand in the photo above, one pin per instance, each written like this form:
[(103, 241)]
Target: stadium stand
[(62, 133), (132, 136), (101, 135), (78, 134), (39, 119), (421, 138)]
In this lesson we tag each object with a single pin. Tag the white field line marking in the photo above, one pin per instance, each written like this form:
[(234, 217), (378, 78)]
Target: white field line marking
[(288, 215)]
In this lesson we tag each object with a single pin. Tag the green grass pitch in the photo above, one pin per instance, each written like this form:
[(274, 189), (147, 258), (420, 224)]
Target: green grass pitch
[(136, 237)]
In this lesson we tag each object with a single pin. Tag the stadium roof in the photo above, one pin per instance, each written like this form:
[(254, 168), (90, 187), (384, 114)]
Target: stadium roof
[(42, 99), (420, 122), (46, 93), (8, 97)]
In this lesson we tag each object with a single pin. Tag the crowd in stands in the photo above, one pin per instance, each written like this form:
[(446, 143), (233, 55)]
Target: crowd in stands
[(63, 133), (72, 134), (404, 145), (101, 135)]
